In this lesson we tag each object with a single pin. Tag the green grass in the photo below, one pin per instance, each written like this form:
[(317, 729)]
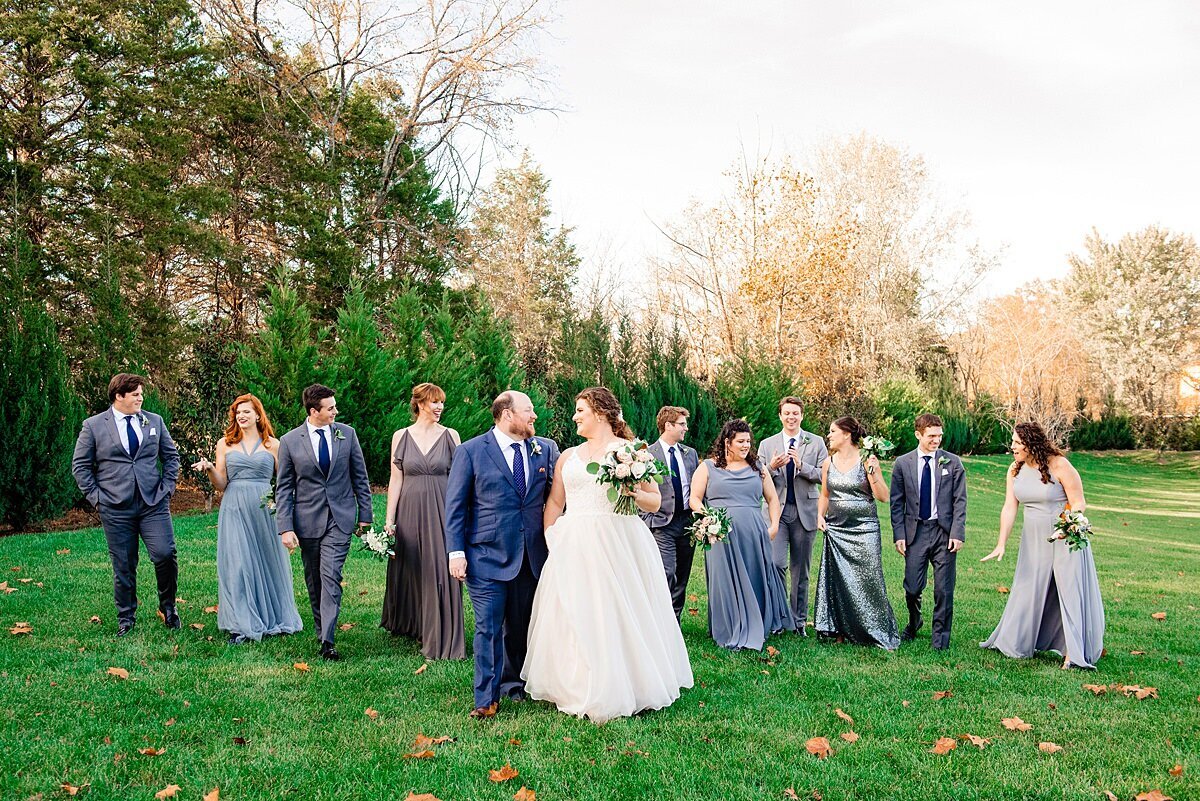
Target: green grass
[(740, 733)]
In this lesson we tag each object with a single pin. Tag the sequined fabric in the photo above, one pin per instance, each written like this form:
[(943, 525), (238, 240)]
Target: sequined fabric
[(851, 597)]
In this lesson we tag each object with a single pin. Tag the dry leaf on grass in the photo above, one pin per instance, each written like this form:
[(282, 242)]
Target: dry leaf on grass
[(1016, 724), (152, 751), (772, 651), (423, 741), (421, 797), (1097, 689), (301, 666), (120, 673), (63, 551), (345, 627), (1137, 653), (240, 741), (1110, 796), (213, 795), (819, 747), (1134, 691), (1152, 795), (503, 774), (1159, 616), (167, 792), (524, 794), (1002, 589), (1049, 747), (373, 714), (420, 670), (849, 736), (844, 716), (942, 695), (426, 754), (212, 610), (5, 588), (790, 794), (1176, 771), (71, 789), (94, 619), (944, 745), (978, 742), (514, 741), (196, 626), (21, 628)]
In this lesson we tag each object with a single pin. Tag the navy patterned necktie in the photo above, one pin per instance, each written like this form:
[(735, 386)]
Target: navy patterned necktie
[(791, 474), (323, 453), (131, 432), (519, 469), (676, 482), (926, 510)]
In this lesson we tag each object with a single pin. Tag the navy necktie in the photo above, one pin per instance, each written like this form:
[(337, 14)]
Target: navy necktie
[(676, 482), (519, 469), (323, 453), (133, 437), (926, 510), (791, 474)]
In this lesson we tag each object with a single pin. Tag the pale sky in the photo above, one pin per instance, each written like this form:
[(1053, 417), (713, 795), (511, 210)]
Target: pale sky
[(1041, 119)]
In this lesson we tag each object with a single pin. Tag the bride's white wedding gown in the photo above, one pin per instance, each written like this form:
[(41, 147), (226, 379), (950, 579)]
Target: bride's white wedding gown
[(603, 638)]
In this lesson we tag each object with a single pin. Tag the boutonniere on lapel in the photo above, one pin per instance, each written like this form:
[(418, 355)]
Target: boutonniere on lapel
[(337, 434), (142, 420), (805, 440), (535, 447), (942, 462)]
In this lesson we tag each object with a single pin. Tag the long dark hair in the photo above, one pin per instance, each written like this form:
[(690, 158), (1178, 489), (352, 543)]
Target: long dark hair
[(728, 431), (1040, 448), (604, 403)]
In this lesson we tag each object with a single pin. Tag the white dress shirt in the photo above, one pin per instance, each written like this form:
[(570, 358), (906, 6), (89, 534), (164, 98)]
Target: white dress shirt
[(506, 442), (123, 432), (684, 478), (315, 441), (933, 479)]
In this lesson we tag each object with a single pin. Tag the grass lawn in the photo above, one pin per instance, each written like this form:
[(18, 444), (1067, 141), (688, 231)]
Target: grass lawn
[(246, 721)]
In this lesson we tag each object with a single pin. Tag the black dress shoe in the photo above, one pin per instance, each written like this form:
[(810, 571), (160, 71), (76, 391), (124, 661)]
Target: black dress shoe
[(907, 635), (328, 652), (171, 618), (124, 627)]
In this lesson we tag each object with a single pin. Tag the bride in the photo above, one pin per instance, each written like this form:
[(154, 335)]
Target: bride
[(603, 639)]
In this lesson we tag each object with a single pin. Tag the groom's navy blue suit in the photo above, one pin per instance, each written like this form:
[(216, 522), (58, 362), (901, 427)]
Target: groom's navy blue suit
[(501, 534)]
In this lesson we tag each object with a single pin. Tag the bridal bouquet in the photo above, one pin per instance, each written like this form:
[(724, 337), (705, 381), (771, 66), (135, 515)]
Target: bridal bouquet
[(625, 467), (380, 544), (875, 446), (1073, 528), (711, 527)]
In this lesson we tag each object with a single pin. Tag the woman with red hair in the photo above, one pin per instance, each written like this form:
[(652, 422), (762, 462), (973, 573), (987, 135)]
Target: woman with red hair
[(254, 575)]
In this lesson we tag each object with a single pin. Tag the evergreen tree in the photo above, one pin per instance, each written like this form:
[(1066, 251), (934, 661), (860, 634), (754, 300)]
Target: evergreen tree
[(750, 389)]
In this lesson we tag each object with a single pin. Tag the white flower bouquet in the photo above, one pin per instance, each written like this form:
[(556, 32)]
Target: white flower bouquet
[(379, 543), (623, 468), (1073, 528), (710, 527), (875, 446)]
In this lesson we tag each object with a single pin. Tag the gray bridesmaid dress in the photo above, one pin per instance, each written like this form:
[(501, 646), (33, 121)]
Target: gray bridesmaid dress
[(1054, 602), (420, 599), (852, 598), (747, 599), (255, 597)]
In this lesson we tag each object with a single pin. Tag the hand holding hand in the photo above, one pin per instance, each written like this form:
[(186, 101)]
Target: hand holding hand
[(290, 541), (458, 568), (997, 554)]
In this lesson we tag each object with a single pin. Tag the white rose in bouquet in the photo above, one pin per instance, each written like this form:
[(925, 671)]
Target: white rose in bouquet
[(622, 471), (624, 456), (644, 455), (638, 469)]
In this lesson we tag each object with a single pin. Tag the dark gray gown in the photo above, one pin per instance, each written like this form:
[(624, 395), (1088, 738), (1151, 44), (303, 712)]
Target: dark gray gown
[(255, 597), (747, 599), (420, 599), (852, 599), (1054, 603)]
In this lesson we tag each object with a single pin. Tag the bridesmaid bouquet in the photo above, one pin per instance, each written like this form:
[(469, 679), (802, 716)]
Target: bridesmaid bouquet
[(625, 467), (267, 501), (380, 544), (875, 446), (1073, 528), (710, 527)]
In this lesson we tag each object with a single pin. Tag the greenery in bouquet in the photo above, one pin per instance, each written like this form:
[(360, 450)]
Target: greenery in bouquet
[(710, 527), (267, 501), (875, 446), (623, 468), (1073, 528), (380, 543)]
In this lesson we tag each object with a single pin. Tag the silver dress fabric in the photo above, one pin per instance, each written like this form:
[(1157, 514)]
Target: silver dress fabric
[(1054, 603), (852, 599)]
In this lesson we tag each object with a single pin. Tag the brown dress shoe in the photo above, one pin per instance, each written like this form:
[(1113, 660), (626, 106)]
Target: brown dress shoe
[(488, 711)]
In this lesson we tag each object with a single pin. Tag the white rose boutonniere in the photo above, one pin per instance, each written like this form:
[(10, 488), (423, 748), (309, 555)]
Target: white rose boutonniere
[(535, 447), (943, 461), (337, 434), (142, 420)]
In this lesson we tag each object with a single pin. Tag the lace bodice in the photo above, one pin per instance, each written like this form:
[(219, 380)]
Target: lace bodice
[(585, 495)]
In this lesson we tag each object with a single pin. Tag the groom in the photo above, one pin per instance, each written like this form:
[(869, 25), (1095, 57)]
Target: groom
[(494, 499), (320, 492), (929, 524)]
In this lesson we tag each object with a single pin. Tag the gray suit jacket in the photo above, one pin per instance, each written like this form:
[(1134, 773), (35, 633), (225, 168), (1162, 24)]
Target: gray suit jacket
[(807, 480), (666, 512), (951, 483), (305, 499), (107, 475)]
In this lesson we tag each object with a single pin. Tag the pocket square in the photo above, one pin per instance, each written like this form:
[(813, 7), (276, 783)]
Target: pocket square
[(945, 472), (153, 431)]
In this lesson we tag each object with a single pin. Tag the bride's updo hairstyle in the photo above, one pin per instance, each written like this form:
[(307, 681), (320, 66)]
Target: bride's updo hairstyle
[(852, 427), (605, 405), (728, 431)]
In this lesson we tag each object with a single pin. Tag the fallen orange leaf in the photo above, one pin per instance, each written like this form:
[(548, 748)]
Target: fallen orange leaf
[(5, 588), (212, 610), (120, 673), (152, 751), (514, 741), (372, 713), (942, 694), (772, 651), (345, 626), (63, 551), (197, 626), (301, 666), (21, 628), (1176, 771), (525, 794), (978, 742), (819, 747), (1049, 747), (844, 716), (167, 792), (849, 736), (1137, 653), (1002, 589), (1097, 689), (1110, 796), (71, 789), (1016, 724), (1152, 795), (421, 797), (424, 741), (94, 619), (426, 754), (420, 670), (790, 794), (214, 795), (503, 774), (1159, 616), (944, 745)]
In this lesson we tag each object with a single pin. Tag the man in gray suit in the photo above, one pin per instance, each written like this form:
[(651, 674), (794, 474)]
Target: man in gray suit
[(794, 457), (670, 523), (321, 492), (929, 525), (126, 466)]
